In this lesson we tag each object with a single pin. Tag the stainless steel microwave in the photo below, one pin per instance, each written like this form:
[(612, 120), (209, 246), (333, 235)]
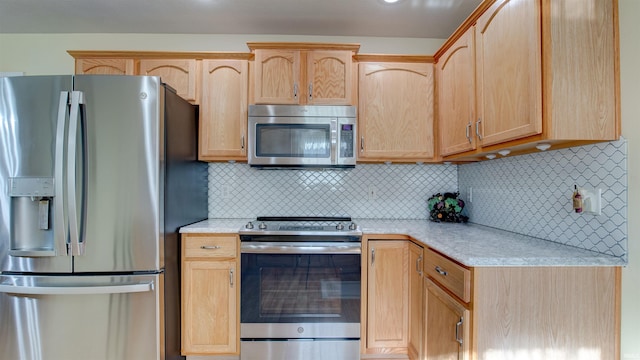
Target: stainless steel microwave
[(299, 136)]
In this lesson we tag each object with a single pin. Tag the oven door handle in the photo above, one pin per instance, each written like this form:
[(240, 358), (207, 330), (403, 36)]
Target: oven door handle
[(300, 248)]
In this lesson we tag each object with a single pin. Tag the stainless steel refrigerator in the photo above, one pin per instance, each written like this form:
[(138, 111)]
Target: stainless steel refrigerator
[(97, 173)]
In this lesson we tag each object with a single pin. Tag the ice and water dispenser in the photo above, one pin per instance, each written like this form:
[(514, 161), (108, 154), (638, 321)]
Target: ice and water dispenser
[(32, 233)]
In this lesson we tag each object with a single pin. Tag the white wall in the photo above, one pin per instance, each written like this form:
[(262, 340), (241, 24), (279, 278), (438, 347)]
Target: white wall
[(38, 54), (46, 54), (630, 86)]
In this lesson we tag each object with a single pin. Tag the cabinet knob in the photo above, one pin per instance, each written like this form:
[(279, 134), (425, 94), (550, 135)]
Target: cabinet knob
[(441, 271)]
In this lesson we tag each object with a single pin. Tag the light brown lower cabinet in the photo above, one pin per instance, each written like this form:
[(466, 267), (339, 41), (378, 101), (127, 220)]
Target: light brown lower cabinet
[(393, 296), (210, 294), (447, 325), (526, 313), (387, 297)]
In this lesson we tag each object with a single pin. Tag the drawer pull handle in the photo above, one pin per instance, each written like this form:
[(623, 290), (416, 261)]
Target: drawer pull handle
[(206, 247), (440, 271), (418, 267)]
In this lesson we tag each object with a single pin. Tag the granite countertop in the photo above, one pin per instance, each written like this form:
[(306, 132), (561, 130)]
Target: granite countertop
[(469, 244)]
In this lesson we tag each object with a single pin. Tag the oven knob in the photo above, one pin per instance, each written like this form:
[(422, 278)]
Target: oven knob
[(262, 226), (249, 225), (340, 226), (353, 226), (300, 330)]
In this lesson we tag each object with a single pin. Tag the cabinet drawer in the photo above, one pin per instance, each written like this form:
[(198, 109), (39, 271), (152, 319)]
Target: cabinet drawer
[(454, 277), (210, 246)]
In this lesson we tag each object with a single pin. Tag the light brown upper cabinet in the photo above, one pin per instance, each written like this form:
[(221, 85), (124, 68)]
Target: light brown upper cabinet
[(223, 110), (455, 76), (545, 72), (298, 73), (508, 61), (180, 74), (396, 110), (105, 66)]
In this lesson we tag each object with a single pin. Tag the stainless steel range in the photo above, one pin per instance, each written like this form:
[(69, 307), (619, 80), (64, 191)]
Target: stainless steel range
[(300, 288)]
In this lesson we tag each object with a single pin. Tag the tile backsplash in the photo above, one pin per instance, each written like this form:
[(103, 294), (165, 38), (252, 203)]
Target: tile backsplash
[(374, 191), (527, 194), (532, 195)]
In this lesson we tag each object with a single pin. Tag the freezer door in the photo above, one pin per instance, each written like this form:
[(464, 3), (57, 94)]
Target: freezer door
[(34, 114), (119, 203), (80, 318)]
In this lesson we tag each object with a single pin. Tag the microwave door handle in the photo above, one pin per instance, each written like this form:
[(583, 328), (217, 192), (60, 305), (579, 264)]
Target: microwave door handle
[(334, 141), (60, 216)]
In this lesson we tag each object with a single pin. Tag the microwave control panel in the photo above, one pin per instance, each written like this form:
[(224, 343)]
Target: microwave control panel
[(346, 140)]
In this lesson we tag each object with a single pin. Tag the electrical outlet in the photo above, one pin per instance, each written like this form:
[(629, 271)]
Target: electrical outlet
[(224, 192), (592, 203), (372, 193), (470, 195)]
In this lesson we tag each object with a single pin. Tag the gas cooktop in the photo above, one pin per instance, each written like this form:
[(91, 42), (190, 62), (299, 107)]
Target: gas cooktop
[(292, 226)]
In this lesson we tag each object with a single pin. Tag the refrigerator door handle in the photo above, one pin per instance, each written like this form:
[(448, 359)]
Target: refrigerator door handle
[(75, 125), (60, 217), (76, 290)]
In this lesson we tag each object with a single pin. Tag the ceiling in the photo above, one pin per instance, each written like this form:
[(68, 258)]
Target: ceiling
[(407, 18)]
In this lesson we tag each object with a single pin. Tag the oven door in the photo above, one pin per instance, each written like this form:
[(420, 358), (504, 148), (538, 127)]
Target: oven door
[(300, 290)]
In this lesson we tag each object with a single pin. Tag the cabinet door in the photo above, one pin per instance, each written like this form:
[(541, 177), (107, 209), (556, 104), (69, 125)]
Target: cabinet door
[(387, 294), (455, 72), (447, 326), (509, 80), (102, 66), (329, 80), (209, 307), (180, 74), (395, 118), (223, 110), (416, 306), (277, 76)]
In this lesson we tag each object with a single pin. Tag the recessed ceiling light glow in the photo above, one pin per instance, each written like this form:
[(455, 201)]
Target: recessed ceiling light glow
[(391, 1)]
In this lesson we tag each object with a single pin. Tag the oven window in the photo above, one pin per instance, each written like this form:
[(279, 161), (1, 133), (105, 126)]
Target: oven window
[(293, 140), (300, 288)]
